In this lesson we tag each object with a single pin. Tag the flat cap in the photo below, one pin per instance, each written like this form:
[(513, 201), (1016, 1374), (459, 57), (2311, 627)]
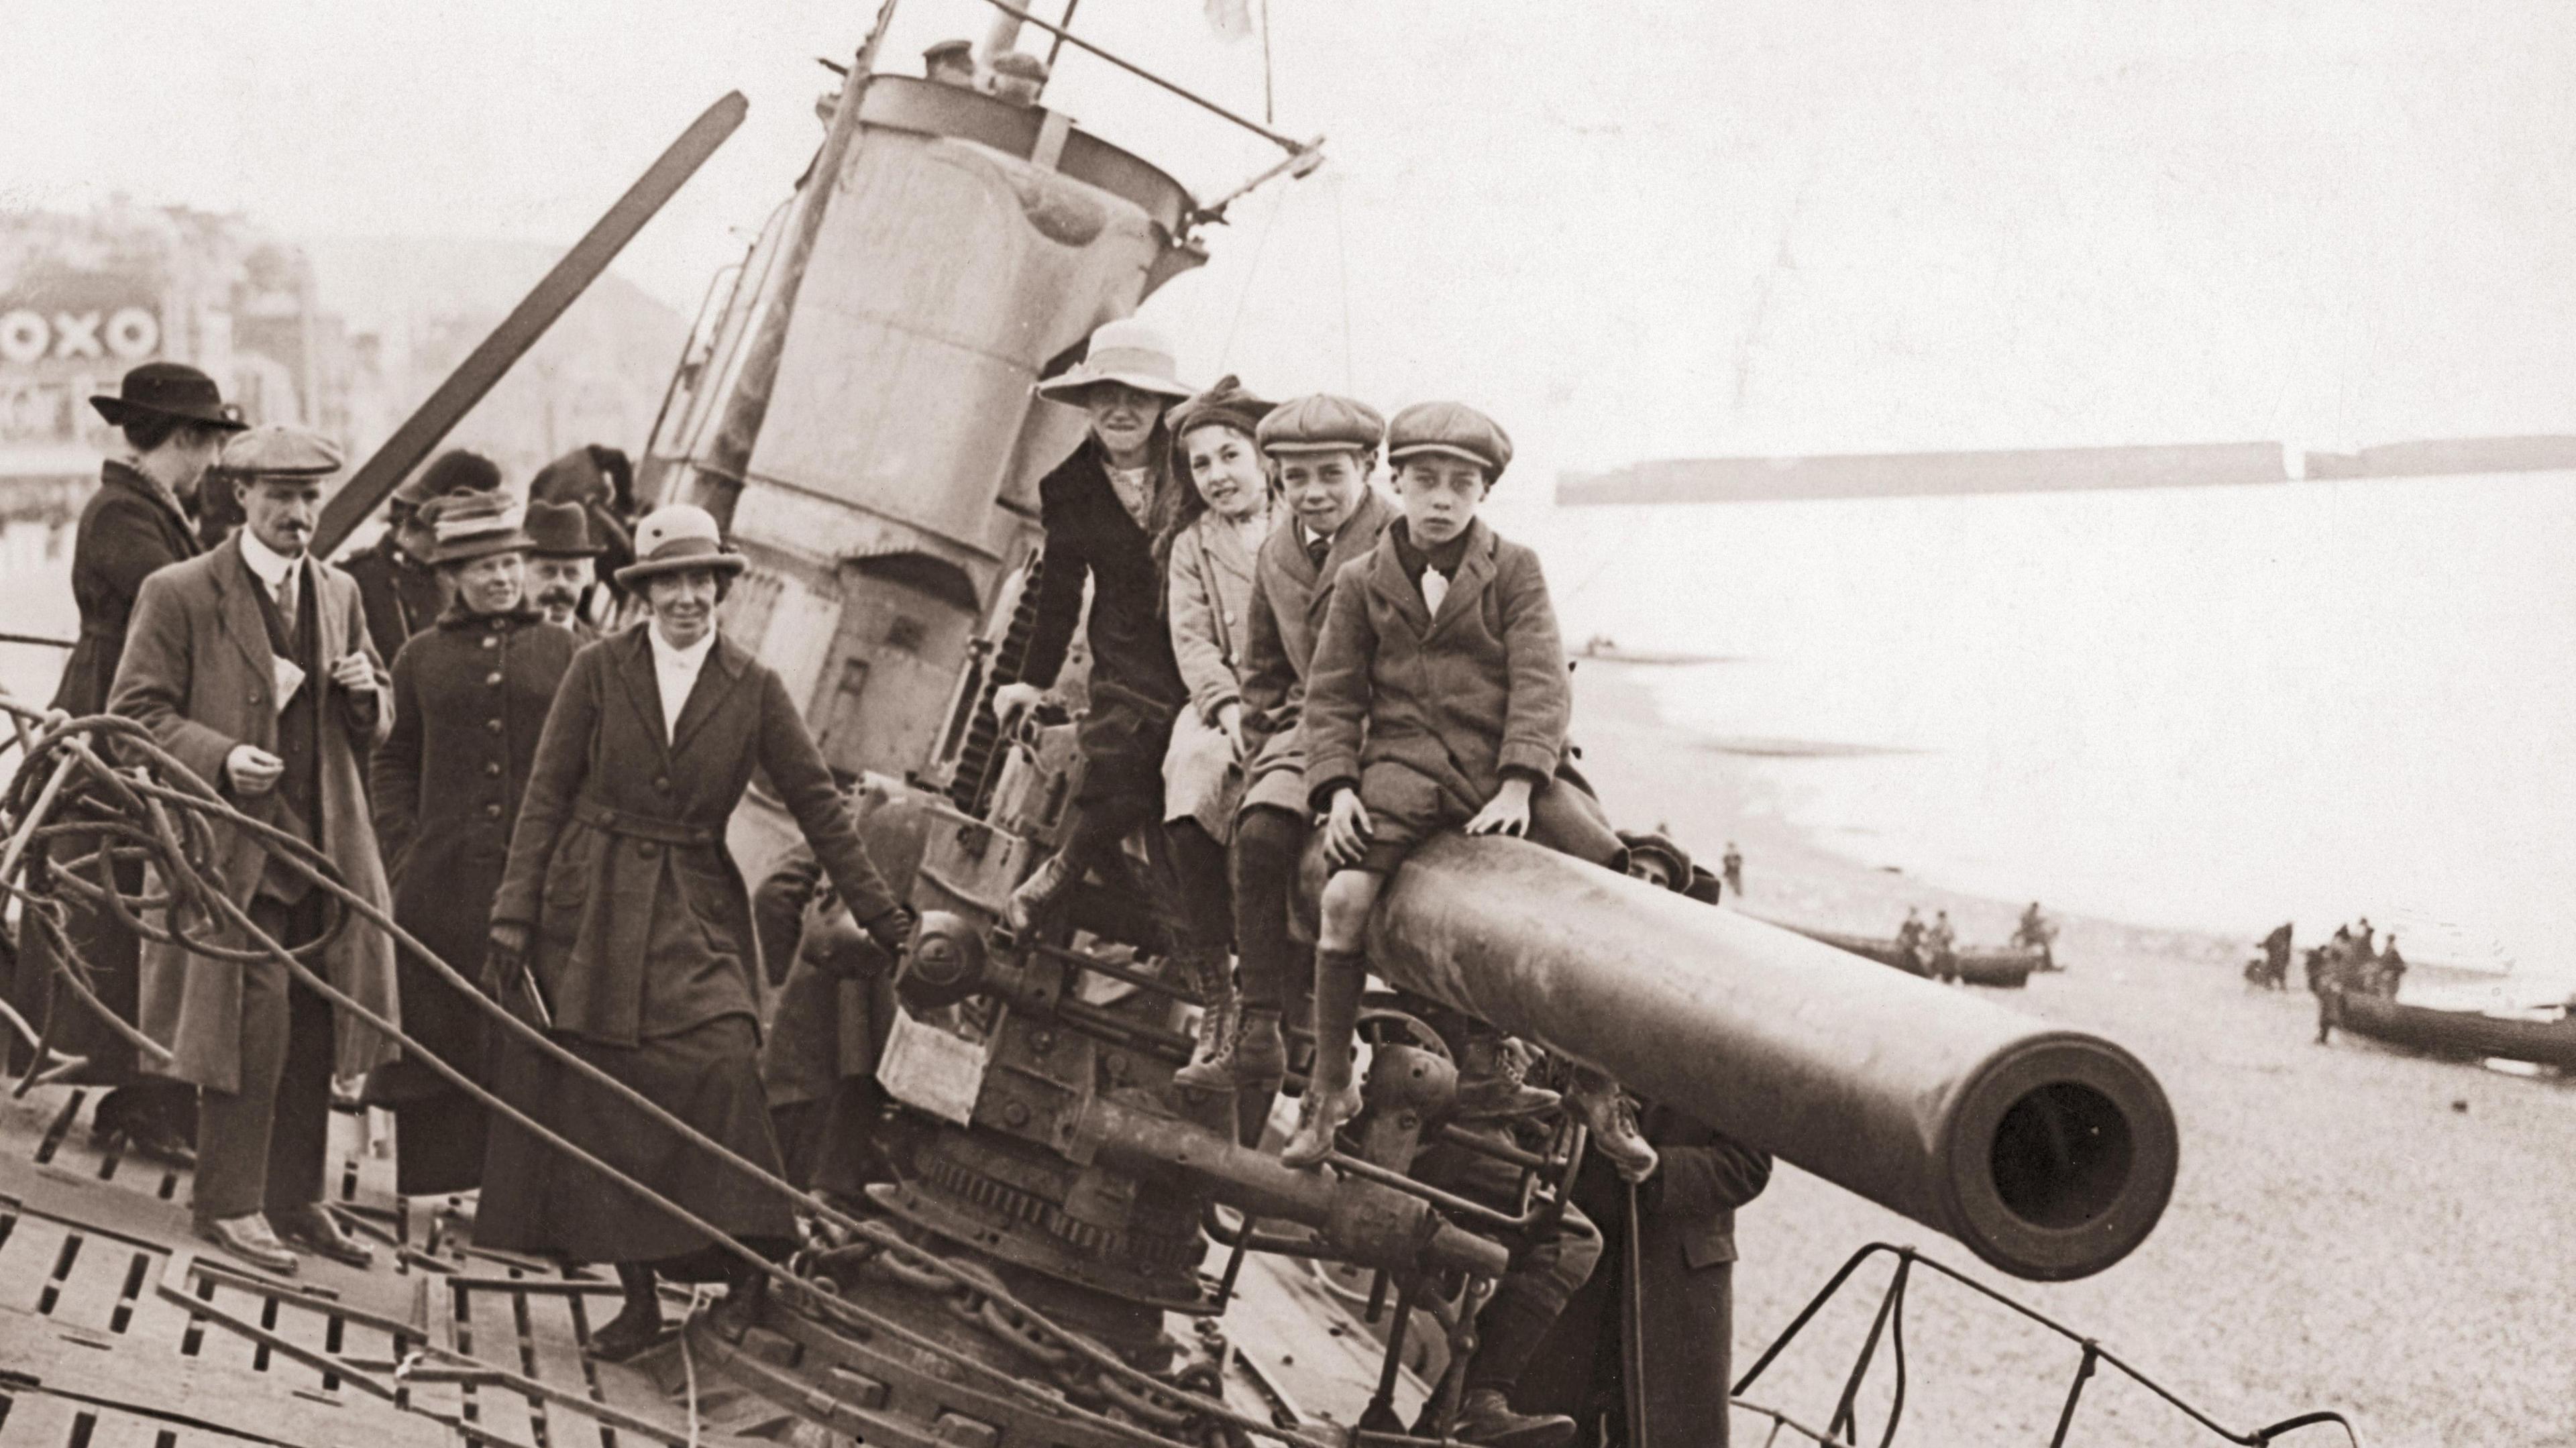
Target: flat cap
[(1321, 422), (277, 451), (1657, 845), (963, 49), (1452, 428), (1021, 64)]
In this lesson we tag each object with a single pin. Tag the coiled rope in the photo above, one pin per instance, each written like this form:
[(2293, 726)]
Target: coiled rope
[(159, 812)]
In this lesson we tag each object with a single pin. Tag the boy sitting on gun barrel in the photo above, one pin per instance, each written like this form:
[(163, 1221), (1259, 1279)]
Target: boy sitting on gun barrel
[(1438, 699)]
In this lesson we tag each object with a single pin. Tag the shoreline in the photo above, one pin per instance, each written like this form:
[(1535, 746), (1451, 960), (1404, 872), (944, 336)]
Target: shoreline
[(1632, 752)]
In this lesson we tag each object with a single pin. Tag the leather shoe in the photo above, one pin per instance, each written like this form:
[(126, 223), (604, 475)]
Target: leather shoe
[(630, 1332), (249, 1238), (1487, 1418), (315, 1229)]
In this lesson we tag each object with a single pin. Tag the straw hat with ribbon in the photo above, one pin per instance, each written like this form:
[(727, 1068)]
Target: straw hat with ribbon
[(1125, 351), (472, 525)]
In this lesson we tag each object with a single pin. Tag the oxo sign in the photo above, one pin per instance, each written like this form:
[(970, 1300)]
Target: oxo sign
[(30, 334)]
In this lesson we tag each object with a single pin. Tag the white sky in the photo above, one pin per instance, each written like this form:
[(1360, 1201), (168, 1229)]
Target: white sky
[(1630, 230)]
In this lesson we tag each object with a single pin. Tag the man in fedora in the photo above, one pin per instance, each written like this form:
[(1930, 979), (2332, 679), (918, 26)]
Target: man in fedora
[(251, 664), (394, 576), (561, 564), (1102, 508), (137, 523)]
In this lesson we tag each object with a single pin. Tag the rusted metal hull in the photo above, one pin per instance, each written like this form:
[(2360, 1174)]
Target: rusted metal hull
[(2048, 1152)]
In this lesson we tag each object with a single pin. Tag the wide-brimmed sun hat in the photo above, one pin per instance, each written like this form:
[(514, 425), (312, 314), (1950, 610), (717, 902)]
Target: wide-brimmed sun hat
[(169, 389), (1126, 351), (471, 525), (677, 538)]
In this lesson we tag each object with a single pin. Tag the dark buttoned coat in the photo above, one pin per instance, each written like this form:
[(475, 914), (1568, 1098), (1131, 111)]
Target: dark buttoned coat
[(643, 924), (1663, 1298), (129, 530), (470, 697), (199, 672), (1454, 700), (1282, 622)]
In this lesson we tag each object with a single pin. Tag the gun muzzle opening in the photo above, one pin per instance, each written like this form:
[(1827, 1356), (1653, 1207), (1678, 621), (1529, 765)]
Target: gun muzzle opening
[(2070, 1150)]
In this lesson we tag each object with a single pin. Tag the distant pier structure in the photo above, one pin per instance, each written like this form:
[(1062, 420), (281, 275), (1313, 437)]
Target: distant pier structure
[(2050, 470)]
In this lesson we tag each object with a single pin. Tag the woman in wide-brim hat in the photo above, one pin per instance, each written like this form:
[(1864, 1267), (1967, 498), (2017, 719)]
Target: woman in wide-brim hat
[(1102, 508), (174, 420), (623, 925)]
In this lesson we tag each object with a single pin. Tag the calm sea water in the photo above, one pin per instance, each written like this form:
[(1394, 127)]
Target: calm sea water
[(2214, 708)]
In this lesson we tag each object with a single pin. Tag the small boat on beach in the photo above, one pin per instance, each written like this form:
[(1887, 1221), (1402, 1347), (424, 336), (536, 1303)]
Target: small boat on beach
[(2005, 969), (2468, 1034), (1601, 648)]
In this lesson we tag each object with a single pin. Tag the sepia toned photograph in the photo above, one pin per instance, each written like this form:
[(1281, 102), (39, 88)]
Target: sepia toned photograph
[(1322, 723)]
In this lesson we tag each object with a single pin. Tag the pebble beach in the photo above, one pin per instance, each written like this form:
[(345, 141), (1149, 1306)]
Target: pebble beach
[(2352, 1229)]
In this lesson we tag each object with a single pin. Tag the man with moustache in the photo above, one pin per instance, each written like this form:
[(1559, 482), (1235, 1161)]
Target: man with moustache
[(561, 566), (251, 664), (137, 523), (470, 696)]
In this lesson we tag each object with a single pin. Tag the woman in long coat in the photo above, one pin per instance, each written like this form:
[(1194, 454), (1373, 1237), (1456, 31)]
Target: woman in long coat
[(136, 524), (470, 694), (1223, 515), (624, 927)]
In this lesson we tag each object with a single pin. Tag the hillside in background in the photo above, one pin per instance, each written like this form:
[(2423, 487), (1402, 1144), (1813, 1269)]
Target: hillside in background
[(598, 376)]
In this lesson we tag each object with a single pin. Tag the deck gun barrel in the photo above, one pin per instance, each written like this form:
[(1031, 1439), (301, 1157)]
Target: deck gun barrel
[(2049, 1152)]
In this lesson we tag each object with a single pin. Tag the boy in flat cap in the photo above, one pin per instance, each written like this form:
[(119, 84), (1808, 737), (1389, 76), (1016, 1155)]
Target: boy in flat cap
[(1437, 700)]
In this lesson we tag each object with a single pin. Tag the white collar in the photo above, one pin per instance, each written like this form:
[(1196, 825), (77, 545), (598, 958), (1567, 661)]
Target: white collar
[(267, 563), (667, 655)]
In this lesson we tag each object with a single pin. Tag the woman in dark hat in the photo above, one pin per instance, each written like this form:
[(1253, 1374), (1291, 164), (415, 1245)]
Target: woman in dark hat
[(470, 695), (140, 520), (622, 925)]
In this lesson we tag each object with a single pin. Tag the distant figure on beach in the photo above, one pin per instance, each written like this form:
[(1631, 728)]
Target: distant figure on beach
[(2037, 934), (1941, 942), (1731, 865), (1909, 941), (2361, 939), (2391, 971)]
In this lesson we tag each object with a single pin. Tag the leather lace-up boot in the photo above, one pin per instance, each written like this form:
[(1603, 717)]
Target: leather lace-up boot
[(1332, 1097), (1254, 1055), (1613, 1119)]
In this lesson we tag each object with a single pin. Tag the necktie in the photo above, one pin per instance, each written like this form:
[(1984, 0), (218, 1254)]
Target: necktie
[(1435, 587), (286, 587), (1316, 551)]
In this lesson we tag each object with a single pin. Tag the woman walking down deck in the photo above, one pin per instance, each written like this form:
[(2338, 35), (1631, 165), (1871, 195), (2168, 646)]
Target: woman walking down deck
[(623, 926), (137, 523), (1223, 515), (470, 695)]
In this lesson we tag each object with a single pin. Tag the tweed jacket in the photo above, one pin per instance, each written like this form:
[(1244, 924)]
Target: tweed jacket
[(200, 673), (128, 531), (1285, 616), (1455, 701), (643, 923)]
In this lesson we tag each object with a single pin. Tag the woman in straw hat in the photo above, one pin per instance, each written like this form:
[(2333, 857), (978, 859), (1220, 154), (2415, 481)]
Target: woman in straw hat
[(470, 694), (174, 422), (623, 927), (1102, 508)]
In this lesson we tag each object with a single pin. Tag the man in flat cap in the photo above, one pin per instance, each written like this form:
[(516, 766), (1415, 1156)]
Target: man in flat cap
[(137, 523), (1019, 77), (394, 575), (251, 664)]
